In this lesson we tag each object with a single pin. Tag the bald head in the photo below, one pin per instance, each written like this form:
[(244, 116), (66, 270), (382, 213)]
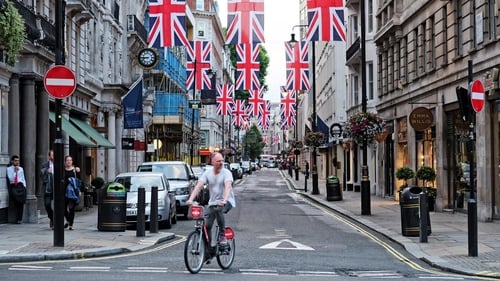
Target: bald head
[(217, 161)]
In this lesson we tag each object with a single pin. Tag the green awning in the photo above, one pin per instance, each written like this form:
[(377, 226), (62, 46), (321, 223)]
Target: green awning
[(92, 133), (73, 131)]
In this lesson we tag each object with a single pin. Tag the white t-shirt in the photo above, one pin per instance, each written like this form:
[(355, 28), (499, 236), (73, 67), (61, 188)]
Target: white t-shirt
[(215, 184)]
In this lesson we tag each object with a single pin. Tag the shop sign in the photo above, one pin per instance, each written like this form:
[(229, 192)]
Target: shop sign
[(421, 119)]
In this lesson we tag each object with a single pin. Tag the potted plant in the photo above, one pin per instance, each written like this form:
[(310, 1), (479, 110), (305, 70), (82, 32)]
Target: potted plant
[(364, 126), (428, 174), (405, 173), (12, 31)]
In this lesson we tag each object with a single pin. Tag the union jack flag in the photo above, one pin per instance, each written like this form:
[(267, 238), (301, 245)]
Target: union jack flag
[(325, 20), (198, 62), (265, 116), (265, 139), (167, 23), (297, 66), (225, 99), (276, 139), (245, 22), (247, 66), (256, 101), (287, 107), (240, 114)]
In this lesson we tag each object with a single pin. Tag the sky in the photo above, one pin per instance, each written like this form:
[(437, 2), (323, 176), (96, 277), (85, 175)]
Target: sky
[(279, 18)]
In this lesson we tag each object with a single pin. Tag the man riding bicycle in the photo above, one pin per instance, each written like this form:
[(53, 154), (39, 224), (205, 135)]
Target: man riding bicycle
[(219, 181)]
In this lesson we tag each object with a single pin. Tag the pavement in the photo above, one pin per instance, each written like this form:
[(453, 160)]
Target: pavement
[(446, 248)]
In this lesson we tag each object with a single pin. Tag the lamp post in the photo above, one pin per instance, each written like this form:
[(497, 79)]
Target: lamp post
[(365, 179), (314, 166), (59, 187), (195, 105)]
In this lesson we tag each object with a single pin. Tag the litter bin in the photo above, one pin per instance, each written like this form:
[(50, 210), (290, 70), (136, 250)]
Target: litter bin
[(410, 212), (112, 212), (333, 191)]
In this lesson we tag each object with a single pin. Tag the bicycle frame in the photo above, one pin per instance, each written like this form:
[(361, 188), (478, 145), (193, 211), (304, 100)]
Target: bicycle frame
[(200, 251)]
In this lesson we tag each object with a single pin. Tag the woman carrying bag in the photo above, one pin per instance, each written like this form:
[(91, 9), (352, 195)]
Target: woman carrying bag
[(72, 183)]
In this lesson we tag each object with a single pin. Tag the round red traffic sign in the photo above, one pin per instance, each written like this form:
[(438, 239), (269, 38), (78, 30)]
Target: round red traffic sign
[(59, 82), (477, 95)]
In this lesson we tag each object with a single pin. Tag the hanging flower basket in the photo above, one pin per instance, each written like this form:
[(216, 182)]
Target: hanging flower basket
[(314, 139), (364, 126)]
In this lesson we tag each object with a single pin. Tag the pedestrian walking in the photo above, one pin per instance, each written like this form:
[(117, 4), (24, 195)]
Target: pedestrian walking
[(72, 183), (17, 186), (47, 176)]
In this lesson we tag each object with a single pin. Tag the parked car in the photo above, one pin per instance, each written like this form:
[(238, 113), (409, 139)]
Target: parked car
[(198, 170), (238, 169), (245, 165), (167, 214), (271, 164), (180, 177)]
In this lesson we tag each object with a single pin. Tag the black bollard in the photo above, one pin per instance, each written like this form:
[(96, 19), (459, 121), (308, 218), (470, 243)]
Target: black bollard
[(141, 213), (153, 218), (423, 217)]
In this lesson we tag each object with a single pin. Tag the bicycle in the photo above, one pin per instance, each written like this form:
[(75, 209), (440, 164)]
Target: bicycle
[(199, 249)]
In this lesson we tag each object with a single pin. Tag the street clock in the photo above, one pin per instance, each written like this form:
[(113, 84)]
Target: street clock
[(148, 57)]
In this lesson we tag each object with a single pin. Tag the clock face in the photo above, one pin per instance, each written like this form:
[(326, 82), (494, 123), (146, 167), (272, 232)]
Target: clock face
[(147, 57)]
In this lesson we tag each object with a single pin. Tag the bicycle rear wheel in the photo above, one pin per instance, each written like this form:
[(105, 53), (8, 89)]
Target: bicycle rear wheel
[(225, 257), (194, 251)]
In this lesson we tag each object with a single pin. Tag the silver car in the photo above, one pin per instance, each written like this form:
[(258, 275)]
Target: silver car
[(167, 214), (180, 177)]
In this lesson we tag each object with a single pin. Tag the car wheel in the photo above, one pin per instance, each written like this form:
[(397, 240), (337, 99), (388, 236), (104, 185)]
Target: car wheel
[(174, 217), (167, 223)]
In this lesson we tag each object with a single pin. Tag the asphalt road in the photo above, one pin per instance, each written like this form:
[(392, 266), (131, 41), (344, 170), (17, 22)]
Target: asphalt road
[(279, 235)]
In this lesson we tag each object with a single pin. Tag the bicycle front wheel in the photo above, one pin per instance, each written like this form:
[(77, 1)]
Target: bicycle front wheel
[(194, 251), (225, 257)]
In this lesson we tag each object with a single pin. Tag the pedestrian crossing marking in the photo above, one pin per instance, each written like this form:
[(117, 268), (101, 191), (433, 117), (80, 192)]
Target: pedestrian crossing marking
[(286, 244)]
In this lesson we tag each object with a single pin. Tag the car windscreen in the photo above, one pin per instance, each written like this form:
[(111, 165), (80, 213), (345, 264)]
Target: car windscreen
[(132, 183), (171, 171)]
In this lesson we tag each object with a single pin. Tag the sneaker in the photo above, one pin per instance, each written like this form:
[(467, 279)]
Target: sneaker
[(222, 241)]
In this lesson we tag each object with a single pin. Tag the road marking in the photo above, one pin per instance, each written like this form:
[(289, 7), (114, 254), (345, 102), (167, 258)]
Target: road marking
[(89, 268), (29, 267), (146, 269), (295, 245)]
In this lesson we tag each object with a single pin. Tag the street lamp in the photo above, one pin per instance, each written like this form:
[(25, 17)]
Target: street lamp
[(195, 105), (365, 179), (314, 165)]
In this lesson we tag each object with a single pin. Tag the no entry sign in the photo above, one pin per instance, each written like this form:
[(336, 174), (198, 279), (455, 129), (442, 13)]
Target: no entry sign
[(477, 95), (60, 82)]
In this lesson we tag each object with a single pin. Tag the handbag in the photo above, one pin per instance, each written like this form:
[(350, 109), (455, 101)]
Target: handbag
[(18, 192), (73, 189)]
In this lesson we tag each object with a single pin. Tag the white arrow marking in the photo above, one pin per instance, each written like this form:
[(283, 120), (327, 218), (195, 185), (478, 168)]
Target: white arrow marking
[(59, 82), (296, 246)]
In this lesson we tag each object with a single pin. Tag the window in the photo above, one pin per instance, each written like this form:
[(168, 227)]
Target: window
[(355, 90), (200, 5), (369, 76), (354, 25), (370, 16), (458, 28), (491, 20), (201, 29)]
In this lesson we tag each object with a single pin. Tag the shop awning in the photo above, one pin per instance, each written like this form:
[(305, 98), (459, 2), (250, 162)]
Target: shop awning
[(73, 131), (205, 152), (92, 133)]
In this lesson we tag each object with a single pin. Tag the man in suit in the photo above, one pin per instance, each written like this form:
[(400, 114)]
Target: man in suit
[(47, 175)]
